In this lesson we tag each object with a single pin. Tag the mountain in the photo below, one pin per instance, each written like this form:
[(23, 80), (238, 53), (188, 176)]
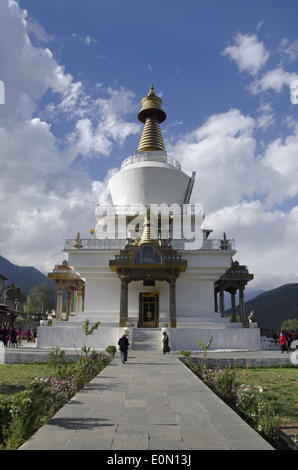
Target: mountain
[(25, 277), (273, 307), (248, 296)]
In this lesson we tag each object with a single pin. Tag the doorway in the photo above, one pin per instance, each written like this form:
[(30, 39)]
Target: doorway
[(149, 310)]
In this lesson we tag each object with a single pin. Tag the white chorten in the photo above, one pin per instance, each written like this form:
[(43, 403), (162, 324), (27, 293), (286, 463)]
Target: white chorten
[(150, 262)]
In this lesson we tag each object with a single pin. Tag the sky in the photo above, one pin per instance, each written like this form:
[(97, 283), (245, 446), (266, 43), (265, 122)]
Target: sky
[(74, 74)]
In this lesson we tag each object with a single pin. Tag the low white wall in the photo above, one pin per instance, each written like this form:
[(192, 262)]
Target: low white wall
[(74, 337), (181, 338), (223, 338)]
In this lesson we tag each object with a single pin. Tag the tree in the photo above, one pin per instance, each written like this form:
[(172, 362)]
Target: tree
[(88, 331), (41, 299), (290, 325), (205, 348), (15, 293)]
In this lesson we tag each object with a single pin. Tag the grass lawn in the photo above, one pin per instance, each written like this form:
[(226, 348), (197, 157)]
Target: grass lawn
[(15, 377), (281, 388)]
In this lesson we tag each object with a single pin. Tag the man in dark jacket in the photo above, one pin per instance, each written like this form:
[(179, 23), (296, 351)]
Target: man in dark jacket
[(123, 346), (165, 343)]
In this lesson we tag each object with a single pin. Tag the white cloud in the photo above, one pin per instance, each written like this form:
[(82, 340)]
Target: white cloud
[(273, 80), (102, 121), (248, 52), (221, 151), (265, 236), (27, 71), (86, 40), (280, 169), (265, 116), (240, 190), (264, 241), (289, 50), (44, 199)]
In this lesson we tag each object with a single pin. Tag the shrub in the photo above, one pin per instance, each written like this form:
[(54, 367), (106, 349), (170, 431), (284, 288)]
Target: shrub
[(25, 412), (223, 382), (111, 350), (5, 419), (28, 410), (186, 353), (253, 407), (57, 362), (188, 359), (260, 413), (87, 368)]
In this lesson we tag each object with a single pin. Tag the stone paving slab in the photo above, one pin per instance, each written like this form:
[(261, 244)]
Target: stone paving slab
[(153, 402)]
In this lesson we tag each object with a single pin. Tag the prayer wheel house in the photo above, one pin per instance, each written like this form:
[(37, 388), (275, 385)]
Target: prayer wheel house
[(149, 263)]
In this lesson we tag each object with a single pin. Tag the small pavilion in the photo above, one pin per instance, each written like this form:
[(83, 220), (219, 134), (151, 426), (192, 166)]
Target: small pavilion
[(233, 280), (66, 279)]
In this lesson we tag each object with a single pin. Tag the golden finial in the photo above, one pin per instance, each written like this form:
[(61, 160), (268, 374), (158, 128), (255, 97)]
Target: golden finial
[(149, 235), (151, 105), (151, 115), (78, 242)]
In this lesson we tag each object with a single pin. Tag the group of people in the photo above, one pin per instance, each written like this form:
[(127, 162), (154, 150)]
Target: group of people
[(123, 344), (13, 336), (285, 340), (31, 335)]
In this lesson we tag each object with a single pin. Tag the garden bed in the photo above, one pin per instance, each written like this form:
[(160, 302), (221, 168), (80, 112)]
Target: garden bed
[(264, 397), (23, 412)]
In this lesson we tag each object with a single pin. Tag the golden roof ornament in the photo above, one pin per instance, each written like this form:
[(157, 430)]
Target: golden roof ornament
[(78, 242), (151, 115), (149, 234)]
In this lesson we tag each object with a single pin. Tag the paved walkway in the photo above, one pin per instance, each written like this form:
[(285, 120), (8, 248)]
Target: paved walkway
[(153, 402)]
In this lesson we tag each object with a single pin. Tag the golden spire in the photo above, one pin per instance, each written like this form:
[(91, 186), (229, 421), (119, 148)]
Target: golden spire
[(151, 115), (149, 234)]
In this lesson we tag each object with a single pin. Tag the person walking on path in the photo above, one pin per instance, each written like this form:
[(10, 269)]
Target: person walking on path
[(5, 335), (20, 336), (123, 344), (283, 342), (14, 337), (288, 339), (165, 343)]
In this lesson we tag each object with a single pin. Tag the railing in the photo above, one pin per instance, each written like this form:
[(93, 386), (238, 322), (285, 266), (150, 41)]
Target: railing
[(151, 157), (212, 244), (103, 210), (95, 244), (69, 272), (111, 244)]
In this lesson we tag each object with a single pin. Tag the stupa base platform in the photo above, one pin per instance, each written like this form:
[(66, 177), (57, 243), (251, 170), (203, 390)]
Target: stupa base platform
[(246, 339), (71, 335)]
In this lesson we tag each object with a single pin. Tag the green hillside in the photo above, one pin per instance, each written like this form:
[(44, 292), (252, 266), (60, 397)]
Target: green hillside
[(273, 307), (24, 277)]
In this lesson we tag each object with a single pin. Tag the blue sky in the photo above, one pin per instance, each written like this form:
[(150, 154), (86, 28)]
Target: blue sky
[(75, 73)]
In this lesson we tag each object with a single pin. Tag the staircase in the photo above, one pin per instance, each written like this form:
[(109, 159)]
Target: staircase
[(147, 339)]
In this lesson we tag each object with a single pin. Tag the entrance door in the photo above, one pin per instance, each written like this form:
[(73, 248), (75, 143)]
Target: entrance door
[(149, 310)]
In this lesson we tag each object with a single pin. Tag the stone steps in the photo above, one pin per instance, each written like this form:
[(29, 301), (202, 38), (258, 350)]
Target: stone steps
[(147, 339)]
